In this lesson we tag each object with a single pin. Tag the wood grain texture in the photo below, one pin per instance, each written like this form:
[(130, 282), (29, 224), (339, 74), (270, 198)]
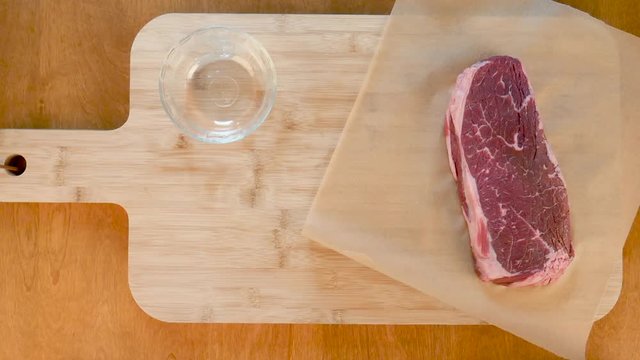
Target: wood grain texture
[(65, 295), (66, 73), (215, 231), (95, 286)]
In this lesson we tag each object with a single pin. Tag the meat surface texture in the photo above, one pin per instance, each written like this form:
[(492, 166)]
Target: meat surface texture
[(512, 193)]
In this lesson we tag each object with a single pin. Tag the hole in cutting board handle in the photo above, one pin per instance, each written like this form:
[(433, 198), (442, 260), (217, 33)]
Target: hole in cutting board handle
[(15, 165)]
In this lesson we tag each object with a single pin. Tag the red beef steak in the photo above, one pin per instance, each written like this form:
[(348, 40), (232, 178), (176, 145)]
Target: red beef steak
[(512, 192)]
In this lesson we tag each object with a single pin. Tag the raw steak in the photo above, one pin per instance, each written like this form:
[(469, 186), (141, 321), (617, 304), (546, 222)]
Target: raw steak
[(513, 195)]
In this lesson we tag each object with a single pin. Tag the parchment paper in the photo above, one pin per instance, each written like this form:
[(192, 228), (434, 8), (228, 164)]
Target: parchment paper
[(388, 199)]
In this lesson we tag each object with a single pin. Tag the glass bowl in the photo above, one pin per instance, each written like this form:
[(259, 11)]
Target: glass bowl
[(218, 85)]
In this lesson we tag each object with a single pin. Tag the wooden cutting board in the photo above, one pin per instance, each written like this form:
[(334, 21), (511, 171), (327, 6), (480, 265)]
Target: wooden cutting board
[(215, 229)]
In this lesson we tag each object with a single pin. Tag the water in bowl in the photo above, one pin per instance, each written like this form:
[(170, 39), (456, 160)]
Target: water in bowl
[(221, 91)]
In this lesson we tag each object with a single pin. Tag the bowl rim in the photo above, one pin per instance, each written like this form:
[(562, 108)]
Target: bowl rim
[(260, 116)]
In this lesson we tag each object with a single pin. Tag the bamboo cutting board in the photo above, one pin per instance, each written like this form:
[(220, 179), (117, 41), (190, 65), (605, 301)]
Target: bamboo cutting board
[(215, 229)]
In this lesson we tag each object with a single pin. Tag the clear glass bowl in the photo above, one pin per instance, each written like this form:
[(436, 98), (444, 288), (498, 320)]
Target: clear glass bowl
[(218, 85)]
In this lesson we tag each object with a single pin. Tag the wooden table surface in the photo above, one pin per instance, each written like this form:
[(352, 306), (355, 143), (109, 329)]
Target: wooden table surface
[(65, 294)]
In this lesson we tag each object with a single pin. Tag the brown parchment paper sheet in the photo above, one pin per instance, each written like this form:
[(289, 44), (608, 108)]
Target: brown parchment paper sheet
[(388, 198)]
